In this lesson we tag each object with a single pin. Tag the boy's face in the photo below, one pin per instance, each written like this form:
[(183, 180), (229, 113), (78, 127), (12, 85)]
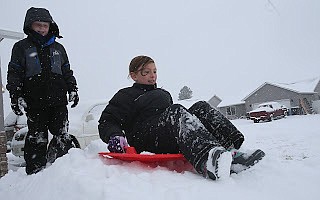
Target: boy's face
[(147, 75), (41, 27)]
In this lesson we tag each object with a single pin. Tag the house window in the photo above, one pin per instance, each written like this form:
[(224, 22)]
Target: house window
[(231, 110)]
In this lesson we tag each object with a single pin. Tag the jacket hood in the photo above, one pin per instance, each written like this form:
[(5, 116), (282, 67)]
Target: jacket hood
[(42, 15)]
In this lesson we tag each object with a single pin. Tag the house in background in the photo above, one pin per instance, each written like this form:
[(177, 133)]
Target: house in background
[(298, 97), (302, 97), (233, 111), (214, 101)]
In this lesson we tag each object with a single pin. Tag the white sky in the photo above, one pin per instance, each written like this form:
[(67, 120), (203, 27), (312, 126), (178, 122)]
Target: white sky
[(224, 48)]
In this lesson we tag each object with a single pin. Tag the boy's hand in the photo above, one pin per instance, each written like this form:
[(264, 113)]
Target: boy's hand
[(15, 106), (73, 96), (117, 144)]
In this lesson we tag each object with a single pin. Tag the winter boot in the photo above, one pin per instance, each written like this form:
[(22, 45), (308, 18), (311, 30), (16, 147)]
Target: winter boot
[(219, 163), (242, 161), (58, 146)]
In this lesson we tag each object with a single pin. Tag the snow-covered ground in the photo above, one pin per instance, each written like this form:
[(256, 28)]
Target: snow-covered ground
[(290, 170)]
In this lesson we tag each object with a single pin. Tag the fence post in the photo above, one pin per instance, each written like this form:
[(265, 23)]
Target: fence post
[(3, 155)]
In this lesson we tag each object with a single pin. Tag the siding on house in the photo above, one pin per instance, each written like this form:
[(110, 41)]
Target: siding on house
[(316, 106), (317, 89), (214, 101), (270, 92), (233, 111), (289, 95)]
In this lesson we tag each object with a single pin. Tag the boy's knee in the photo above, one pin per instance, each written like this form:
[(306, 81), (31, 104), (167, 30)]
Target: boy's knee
[(177, 107), (200, 105), (37, 138)]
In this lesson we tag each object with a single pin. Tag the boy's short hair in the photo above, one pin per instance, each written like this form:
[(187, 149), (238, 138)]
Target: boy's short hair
[(139, 61)]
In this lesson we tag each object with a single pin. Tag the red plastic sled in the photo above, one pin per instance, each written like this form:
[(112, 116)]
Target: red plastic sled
[(132, 155)]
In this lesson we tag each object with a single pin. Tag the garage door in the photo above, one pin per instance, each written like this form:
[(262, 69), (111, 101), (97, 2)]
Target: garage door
[(285, 102)]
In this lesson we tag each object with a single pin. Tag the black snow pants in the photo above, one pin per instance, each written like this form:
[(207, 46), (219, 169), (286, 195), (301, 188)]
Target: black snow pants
[(192, 132), (36, 153)]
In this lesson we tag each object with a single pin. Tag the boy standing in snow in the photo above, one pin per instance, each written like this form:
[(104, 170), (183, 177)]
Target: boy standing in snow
[(146, 116), (39, 77)]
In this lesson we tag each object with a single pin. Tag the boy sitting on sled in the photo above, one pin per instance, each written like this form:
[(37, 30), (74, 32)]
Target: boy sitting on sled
[(146, 116)]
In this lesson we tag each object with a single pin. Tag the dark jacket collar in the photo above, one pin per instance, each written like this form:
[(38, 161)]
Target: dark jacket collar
[(40, 40), (144, 87)]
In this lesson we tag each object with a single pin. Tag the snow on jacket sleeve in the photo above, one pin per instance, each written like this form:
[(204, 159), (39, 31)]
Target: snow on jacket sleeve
[(116, 115)]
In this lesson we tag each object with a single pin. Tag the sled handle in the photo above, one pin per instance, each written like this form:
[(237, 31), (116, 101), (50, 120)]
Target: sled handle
[(130, 150)]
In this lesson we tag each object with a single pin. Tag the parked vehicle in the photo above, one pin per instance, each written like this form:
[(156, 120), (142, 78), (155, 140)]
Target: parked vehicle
[(85, 132), (12, 124), (267, 112)]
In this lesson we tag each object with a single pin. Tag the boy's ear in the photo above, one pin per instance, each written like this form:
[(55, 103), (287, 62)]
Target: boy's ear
[(133, 76)]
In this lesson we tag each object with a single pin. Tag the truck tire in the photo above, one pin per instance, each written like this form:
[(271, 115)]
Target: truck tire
[(270, 118)]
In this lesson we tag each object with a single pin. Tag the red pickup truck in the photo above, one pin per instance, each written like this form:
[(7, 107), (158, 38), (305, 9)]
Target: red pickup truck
[(267, 112)]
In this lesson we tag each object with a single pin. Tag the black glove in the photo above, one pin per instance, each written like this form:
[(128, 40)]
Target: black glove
[(15, 106), (73, 96)]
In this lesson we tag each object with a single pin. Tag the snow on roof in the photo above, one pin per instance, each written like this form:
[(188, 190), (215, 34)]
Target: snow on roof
[(304, 86), (230, 102)]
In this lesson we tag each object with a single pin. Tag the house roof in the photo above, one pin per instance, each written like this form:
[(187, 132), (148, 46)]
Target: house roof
[(215, 97), (301, 87), (226, 104)]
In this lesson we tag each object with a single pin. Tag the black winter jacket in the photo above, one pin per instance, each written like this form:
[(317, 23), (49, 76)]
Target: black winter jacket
[(39, 70), (132, 107)]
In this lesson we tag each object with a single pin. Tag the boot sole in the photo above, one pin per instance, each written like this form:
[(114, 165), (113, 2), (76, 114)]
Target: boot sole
[(252, 160), (255, 157), (219, 163)]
